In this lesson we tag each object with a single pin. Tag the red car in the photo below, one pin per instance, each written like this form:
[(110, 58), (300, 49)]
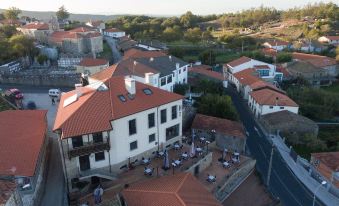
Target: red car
[(14, 93)]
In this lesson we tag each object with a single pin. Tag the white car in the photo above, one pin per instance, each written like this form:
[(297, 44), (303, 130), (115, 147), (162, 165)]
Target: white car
[(54, 93)]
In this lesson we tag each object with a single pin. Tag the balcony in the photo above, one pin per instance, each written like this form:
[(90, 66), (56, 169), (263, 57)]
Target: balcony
[(88, 149)]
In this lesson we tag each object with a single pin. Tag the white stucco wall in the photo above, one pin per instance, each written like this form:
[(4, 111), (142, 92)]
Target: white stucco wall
[(260, 110)]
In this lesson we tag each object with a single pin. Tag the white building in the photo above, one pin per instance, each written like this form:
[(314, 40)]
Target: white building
[(114, 32), (105, 126), (276, 44), (36, 30), (265, 101), (265, 71), (333, 40), (151, 45), (161, 71), (248, 80)]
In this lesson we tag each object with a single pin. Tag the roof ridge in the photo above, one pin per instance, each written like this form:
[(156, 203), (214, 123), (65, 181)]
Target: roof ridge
[(110, 100)]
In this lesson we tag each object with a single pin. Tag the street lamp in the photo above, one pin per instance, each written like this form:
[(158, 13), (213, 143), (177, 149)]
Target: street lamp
[(322, 183)]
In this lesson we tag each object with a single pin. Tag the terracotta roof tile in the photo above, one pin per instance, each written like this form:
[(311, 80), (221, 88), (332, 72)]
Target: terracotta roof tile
[(6, 190), (269, 52), (104, 74), (330, 159), (239, 61), (93, 110), (269, 97), (89, 62), (37, 26), (247, 76), (224, 126), (81, 30), (137, 53), (262, 84), (182, 189), (22, 135), (204, 71), (316, 60)]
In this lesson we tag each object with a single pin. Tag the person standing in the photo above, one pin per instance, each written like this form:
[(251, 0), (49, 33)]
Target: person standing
[(98, 192), (53, 101)]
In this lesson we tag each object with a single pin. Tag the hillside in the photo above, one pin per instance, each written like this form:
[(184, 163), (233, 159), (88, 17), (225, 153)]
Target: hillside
[(46, 15)]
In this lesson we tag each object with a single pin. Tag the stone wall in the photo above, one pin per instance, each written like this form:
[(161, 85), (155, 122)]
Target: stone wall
[(202, 163), (234, 180), (42, 78)]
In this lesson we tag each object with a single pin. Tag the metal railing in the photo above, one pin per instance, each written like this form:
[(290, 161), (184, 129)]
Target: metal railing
[(88, 149)]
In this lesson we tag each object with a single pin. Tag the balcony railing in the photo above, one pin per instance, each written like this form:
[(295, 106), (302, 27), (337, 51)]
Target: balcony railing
[(88, 149)]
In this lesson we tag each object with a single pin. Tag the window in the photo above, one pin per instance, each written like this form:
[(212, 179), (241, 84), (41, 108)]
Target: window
[(172, 132), (263, 72), (133, 145), (151, 120), (169, 79), (282, 107), (179, 71), (271, 107), (184, 69), (147, 91), (99, 156), (163, 81), (77, 141), (174, 112), (184, 81), (122, 98), (151, 138), (132, 127), (163, 116), (97, 137)]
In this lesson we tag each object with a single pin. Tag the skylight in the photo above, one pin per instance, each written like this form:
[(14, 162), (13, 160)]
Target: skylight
[(122, 98), (147, 91)]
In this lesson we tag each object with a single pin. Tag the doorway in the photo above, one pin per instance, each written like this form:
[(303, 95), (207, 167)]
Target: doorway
[(84, 163)]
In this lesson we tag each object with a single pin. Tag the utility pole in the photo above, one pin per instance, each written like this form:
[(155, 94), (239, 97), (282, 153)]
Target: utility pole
[(270, 166)]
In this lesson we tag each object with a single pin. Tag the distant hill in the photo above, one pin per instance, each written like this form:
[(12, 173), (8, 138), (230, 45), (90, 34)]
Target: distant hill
[(46, 15)]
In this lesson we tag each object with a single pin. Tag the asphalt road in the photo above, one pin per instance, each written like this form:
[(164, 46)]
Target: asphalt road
[(283, 183)]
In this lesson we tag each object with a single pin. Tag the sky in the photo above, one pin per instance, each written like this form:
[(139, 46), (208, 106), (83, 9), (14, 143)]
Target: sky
[(155, 7)]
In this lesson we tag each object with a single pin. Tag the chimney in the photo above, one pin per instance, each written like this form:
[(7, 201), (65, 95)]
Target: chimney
[(170, 57), (130, 85), (177, 65), (149, 78), (78, 90)]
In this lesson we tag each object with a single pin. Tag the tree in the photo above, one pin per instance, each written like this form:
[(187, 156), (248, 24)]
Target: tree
[(208, 57), (188, 20), (180, 89), (283, 57), (171, 34), (8, 31), (193, 35), (217, 106), (12, 13), (22, 46), (177, 52), (62, 13), (42, 59)]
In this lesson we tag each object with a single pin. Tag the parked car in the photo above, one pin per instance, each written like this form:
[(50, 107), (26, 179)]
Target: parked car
[(54, 93), (14, 93)]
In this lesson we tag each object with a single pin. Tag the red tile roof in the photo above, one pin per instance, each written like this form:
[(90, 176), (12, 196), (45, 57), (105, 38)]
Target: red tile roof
[(81, 30), (94, 110), (10, 22), (113, 30), (269, 52), (90, 62), (333, 38), (37, 26), (262, 84), (137, 53), (270, 97), (6, 190), (316, 60), (247, 76), (104, 74), (93, 34), (182, 189), (239, 61), (330, 159), (22, 135), (223, 126), (209, 73)]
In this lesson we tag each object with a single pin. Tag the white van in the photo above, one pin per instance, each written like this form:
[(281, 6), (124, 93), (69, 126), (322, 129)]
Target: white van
[(54, 92)]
